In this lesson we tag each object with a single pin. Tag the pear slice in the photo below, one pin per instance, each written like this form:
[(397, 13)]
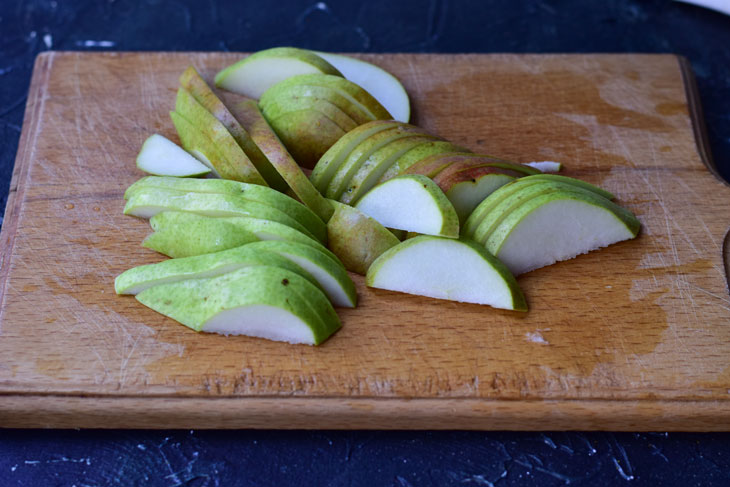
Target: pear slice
[(248, 113), (477, 216), (191, 235), (253, 192), (457, 270), (285, 104), (331, 160), (356, 239), (145, 203), (413, 203), (360, 155), (375, 166), (467, 189), (136, 280), (545, 166), (163, 157), (381, 84), (196, 85), (307, 134), (294, 90), (329, 273), (419, 153), (237, 164), (262, 301), (557, 226), (255, 74)]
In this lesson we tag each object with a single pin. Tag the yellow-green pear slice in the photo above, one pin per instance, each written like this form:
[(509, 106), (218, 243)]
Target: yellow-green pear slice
[(413, 203), (262, 301), (307, 134), (136, 280), (163, 157), (179, 234), (197, 144), (293, 90), (477, 216), (255, 74), (360, 154), (356, 239), (441, 268), (378, 82), (248, 113), (196, 85), (329, 273), (253, 192), (466, 194), (419, 153), (557, 226), (375, 166), (331, 160), (285, 104), (147, 202), (237, 164)]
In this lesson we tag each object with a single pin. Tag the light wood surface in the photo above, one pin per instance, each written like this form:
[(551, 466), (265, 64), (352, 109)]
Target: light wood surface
[(635, 336)]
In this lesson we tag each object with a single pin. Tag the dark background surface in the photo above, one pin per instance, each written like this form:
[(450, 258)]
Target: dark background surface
[(318, 458)]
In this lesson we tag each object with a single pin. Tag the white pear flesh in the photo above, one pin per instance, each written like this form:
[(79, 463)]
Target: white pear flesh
[(466, 195), (162, 157), (413, 203), (545, 166), (455, 270), (558, 226), (378, 82), (253, 75)]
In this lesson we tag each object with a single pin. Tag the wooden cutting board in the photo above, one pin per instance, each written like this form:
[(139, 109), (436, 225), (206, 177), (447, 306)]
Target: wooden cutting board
[(636, 336)]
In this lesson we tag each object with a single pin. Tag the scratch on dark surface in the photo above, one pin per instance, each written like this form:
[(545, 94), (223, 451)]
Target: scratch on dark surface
[(437, 10), (656, 451)]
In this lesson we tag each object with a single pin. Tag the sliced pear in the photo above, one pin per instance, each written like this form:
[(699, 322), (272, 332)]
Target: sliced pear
[(255, 74), (177, 236), (237, 164), (360, 154), (197, 144), (329, 273), (413, 203), (248, 113), (294, 90), (196, 85), (307, 134), (457, 270), (545, 166), (356, 239), (419, 153), (145, 203), (163, 157), (558, 226), (253, 192), (331, 160), (138, 279), (382, 85), (285, 104), (266, 302), (467, 189), (375, 166)]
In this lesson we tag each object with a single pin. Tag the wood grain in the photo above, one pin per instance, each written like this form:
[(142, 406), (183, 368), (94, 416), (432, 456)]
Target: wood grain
[(632, 337)]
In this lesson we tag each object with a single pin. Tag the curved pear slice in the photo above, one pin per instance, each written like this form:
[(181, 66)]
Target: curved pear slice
[(331, 160), (253, 75), (163, 157), (138, 279), (196, 85), (413, 203), (247, 112), (356, 239), (559, 226), (179, 234), (253, 192), (307, 134), (470, 187), (146, 203), (457, 270), (419, 153), (362, 153), (288, 89), (381, 84), (266, 302), (328, 273), (477, 216), (375, 166), (285, 104)]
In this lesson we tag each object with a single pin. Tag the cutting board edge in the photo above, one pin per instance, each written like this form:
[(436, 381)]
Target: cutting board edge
[(44, 411)]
